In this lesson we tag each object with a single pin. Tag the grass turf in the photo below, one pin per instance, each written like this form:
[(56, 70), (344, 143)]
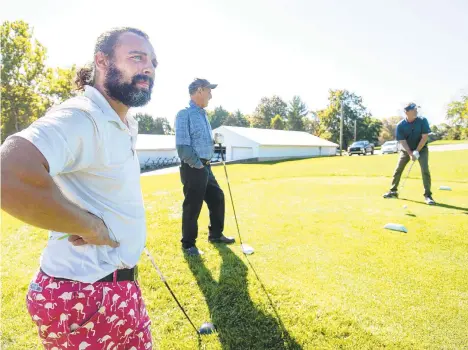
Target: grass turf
[(447, 142), (336, 277)]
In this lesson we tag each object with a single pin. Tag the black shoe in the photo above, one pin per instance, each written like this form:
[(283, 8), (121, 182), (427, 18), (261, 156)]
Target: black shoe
[(391, 194), (222, 239), (192, 251), (429, 200)]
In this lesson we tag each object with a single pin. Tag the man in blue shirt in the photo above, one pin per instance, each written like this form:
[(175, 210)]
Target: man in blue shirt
[(412, 133), (194, 143)]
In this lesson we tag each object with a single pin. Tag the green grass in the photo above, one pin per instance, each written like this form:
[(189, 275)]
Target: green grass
[(447, 142), (336, 277)]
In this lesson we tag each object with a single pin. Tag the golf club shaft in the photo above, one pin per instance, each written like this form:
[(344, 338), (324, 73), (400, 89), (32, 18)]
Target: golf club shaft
[(150, 257), (407, 175), (230, 195)]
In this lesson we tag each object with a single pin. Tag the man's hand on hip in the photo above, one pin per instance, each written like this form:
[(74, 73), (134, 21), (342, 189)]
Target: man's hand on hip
[(98, 234), (198, 165)]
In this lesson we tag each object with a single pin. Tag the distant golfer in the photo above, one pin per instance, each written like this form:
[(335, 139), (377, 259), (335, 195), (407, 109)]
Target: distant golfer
[(75, 171), (412, 133), (195, 146)]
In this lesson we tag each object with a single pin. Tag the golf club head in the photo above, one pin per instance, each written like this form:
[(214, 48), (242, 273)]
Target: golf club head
[(207, 328), (218, 138), (246, 249)]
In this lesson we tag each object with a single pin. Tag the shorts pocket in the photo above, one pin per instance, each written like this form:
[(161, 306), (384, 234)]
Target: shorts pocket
[(84, 318)]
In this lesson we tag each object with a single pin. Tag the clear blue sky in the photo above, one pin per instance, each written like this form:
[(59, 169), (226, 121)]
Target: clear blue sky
[(389, 52)]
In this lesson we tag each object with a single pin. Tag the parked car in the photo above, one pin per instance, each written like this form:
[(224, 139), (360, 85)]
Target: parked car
[(390, 147), (361, 147)]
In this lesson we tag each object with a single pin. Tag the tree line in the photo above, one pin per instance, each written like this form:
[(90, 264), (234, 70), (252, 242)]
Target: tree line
[(29, 88), (275, 113)]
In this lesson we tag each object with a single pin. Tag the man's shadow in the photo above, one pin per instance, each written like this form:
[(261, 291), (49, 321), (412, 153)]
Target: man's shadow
[(441, 205), (239, 322)]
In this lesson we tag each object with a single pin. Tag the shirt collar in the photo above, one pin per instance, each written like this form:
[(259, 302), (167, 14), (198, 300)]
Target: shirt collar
[(406, 118), (94, 95), (193, 104)]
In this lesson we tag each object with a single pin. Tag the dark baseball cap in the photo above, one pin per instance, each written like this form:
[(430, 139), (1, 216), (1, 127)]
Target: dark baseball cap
[(200, 83), (410, 106)]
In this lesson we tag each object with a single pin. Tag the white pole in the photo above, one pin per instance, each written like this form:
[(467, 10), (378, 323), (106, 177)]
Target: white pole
[(341, 129)]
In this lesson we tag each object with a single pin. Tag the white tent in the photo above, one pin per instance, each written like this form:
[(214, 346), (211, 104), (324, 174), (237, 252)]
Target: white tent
[(267, 144), (152, 147)]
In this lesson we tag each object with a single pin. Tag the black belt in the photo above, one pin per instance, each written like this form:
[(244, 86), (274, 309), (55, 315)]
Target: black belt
[(205, 161), (122, 275)]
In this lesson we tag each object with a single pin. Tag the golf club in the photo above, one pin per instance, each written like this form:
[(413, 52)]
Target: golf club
[(207, 327), (246, 249), (407, 175)]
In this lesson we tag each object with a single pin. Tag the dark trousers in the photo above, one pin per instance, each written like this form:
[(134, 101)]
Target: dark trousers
[(423, 163), (200, 185)]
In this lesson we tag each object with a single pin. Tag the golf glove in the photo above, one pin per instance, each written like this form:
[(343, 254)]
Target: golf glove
[(218, 138), (416, 155)]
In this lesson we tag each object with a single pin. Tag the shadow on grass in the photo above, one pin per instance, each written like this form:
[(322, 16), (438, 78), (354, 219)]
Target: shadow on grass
[(442, 205), (239, 322)]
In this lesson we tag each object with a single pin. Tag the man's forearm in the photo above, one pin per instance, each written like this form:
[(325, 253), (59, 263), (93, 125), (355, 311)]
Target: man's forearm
[(30, 194), (422, 143), (404, 144), (188, 155)]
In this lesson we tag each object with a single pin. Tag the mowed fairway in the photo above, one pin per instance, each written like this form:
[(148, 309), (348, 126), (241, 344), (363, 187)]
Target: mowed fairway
[(336, 277)]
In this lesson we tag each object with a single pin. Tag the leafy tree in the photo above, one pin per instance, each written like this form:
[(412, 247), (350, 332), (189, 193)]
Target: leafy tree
[(312, 124), (369, 128), (217, 117), (353, 110), (162, 127), (266, 110), (236, 119), (60, 85), (148, 125), (457, 117), (277, 123), (28, 87), (388, 132), (297, 111)]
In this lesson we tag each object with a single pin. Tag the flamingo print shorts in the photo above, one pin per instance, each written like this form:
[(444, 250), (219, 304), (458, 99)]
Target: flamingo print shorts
[(101, 315)]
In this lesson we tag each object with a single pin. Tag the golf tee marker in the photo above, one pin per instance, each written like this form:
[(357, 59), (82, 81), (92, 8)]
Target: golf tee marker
[(396, 227)]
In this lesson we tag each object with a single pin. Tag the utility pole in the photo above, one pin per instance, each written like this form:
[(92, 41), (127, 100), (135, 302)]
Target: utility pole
[(341, 129), (355, 130)]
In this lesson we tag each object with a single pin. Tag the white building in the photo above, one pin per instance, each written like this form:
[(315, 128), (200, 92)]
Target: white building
[(267, 144), (153, 147)]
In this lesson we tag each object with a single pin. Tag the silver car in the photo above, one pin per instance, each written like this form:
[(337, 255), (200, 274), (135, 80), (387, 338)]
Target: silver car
[(390, 147)]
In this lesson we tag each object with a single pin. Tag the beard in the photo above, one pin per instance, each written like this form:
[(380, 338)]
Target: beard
[(128, 94)]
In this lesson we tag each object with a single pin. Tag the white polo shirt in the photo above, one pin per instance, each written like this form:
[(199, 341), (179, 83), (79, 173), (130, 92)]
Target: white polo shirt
[(92, 159)]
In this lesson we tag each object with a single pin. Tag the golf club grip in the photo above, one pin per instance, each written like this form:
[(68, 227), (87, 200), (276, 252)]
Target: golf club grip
[(150, 257)]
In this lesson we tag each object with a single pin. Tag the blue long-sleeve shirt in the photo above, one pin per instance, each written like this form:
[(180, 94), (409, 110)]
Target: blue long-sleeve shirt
[(194, 138)]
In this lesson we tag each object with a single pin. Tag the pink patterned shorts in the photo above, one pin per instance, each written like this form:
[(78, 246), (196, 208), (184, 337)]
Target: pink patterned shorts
[(101, 315)]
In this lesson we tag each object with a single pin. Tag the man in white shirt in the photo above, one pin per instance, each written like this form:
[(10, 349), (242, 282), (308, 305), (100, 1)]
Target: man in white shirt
[(75, 172)]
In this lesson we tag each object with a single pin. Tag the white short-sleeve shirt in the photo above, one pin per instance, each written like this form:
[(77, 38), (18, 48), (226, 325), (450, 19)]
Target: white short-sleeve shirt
[(92, 159)]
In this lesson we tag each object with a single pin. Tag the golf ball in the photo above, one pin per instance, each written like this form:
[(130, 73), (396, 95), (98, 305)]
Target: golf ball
[(405, 206)]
